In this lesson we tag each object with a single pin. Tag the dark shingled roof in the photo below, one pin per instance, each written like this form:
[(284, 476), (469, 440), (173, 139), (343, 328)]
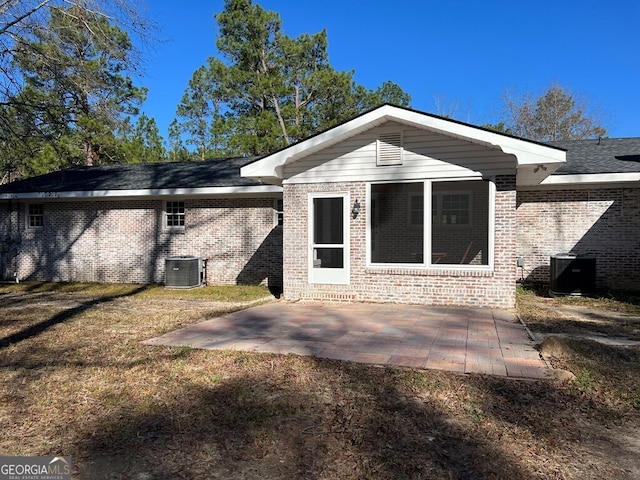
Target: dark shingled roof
[(143, 176), (606, 155)]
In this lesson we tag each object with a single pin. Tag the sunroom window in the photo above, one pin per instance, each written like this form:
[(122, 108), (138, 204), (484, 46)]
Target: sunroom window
[(460, 224), (458, 233), (397, 227)]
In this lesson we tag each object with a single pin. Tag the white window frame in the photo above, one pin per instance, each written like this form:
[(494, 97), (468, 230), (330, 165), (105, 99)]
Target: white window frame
[(29, 216), (427, 263), (278, 212), (166, 214)]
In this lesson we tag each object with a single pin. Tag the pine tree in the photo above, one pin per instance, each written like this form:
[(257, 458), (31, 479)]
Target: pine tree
[(267, 90), (82, 78)]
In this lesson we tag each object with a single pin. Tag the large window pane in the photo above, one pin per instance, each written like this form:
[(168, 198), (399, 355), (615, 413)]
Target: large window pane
[(460, 223), (397, 223)]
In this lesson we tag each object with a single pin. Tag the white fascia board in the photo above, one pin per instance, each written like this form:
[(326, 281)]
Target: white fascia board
[(270, 168), (591, 179), (160, 192)]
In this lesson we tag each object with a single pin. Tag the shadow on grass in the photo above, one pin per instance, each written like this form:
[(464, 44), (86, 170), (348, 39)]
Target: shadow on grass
[(607, 368), (257, 427), (407, 436), (541, 289), (64, 316)]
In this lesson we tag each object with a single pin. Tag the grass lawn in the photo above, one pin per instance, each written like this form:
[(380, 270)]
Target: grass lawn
[(76, 381)]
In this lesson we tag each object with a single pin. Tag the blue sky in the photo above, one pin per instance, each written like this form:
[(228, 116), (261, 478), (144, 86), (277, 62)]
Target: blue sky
[(454, 57)]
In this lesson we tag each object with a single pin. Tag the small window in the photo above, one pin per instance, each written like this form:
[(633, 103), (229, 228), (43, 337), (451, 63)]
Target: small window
[(174, 215), (279, 212), (455, 209), (35, 216)]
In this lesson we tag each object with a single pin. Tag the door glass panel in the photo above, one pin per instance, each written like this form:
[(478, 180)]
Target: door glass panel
[(328, 221), (328, 258)]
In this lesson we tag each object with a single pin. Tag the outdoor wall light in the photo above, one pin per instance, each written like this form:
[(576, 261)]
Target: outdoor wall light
[(355, 210)]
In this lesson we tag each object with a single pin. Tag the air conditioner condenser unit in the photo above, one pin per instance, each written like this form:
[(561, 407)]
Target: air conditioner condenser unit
[(183, 272)]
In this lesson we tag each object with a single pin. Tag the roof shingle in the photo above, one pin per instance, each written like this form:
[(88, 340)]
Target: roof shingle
[(603, 155), (143, 176)]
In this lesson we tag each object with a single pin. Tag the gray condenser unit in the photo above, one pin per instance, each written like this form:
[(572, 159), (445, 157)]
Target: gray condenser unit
[(183, 272), (572, 274)]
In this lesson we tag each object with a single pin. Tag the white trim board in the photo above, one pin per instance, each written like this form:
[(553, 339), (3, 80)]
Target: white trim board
[(268, 190), (587, 180)]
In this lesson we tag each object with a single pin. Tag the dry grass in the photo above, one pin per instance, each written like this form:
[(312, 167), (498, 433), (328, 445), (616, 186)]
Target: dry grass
[(576, 315), (76, 381), (224, 293)]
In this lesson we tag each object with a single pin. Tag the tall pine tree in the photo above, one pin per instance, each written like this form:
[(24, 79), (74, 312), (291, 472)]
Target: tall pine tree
[(78, 83), (267, 90), (65, 82)]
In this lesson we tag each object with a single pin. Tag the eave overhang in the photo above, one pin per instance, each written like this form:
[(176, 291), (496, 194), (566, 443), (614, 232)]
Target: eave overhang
[(251, 191), (587, 180)]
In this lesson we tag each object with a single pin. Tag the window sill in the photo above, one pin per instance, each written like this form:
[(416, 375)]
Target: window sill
[(174, 230), (432, 271)]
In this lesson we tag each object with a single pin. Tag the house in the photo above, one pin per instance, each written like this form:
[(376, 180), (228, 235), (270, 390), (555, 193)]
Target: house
[(394, 205)]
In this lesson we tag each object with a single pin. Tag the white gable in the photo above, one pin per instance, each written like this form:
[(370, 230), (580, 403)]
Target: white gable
[(429, 143), (424, 155)]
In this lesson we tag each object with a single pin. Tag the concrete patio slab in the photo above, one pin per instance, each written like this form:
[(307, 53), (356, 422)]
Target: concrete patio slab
[(464, 340)]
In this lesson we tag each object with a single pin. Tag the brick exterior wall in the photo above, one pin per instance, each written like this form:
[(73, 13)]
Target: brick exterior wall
[(604, 222), (440, 286), (124, 241)]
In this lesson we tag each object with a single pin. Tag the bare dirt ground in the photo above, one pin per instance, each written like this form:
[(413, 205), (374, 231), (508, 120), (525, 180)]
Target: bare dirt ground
[(76, 381)]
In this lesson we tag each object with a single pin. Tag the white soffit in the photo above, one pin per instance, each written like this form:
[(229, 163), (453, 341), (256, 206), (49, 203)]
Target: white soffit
[(183, 192), (270, 168)]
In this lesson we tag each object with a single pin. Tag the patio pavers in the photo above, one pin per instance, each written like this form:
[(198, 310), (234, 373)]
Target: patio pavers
[(464, 340)]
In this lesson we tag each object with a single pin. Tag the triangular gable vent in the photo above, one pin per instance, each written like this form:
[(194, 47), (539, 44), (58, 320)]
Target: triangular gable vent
[(389, 151)]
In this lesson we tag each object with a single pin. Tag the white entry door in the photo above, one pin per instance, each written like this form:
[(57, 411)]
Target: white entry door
[(329, 238)]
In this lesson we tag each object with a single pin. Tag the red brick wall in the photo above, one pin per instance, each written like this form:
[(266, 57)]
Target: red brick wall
[(124, 241), (602, 222), (417, 285)]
